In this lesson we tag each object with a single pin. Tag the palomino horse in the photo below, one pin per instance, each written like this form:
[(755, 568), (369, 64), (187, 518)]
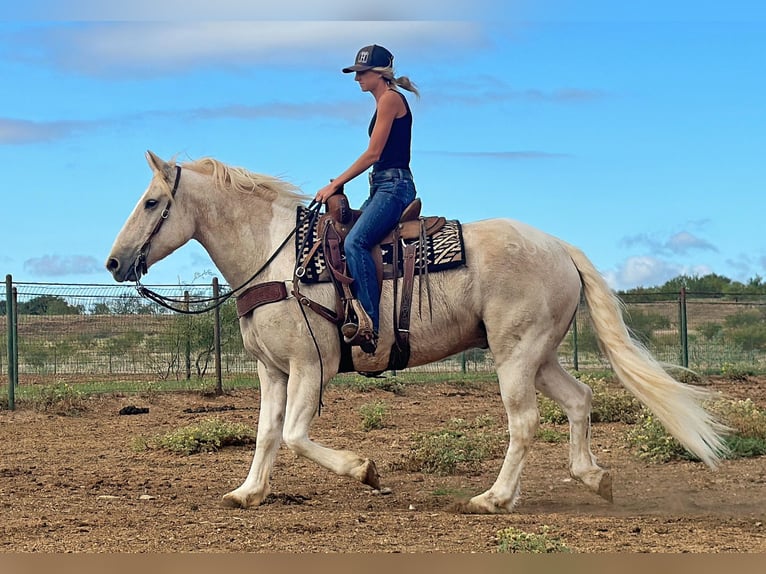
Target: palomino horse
[(517, 296)]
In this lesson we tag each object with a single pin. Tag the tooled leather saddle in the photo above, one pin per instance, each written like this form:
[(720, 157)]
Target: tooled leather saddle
[(403, 253)]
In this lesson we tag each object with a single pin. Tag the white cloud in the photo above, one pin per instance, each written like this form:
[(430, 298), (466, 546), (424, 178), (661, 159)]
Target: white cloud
[(646, 271), (121, 49), (679, 243), (16, 132), (683, 242), (247, 9), (59, 266)]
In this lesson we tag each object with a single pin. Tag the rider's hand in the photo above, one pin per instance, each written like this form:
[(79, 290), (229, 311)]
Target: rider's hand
[(326, 192)]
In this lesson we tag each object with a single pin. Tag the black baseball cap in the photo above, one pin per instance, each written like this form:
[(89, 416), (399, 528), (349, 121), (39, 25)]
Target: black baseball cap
[(371, 57)]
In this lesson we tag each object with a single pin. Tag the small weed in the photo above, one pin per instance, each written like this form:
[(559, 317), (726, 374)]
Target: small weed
[(512, 540), (208, 435), (551, 435), (736, 372), (653, 443), (373, 415), (453, 492), (460, 446), (62, 399), (743, 416), (139, 444), (550, 412), (686, 376), (364, 384)]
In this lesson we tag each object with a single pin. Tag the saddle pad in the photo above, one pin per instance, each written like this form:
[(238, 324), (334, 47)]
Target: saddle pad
[(444, 250)]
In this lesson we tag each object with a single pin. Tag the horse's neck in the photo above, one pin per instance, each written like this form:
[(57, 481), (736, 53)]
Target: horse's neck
[(240, 238)]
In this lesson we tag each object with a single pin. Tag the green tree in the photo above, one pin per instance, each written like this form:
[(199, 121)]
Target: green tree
[(644, 324), (101, 309), (127, 304), (49, 305)]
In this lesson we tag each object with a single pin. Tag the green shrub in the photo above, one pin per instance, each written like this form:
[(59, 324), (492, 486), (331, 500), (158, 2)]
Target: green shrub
[(743, 416), (736, 372), (459, 447), (373, 415), (550, 411), (512, 540), (61, 398), (653, 443), (366, 384), (643, 324), (610, 404), (748, 438), (208, 435)]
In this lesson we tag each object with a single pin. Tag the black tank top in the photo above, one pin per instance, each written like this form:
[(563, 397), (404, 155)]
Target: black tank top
[(396, 152)]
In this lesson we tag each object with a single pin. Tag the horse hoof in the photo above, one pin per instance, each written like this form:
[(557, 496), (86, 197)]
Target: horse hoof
[(236, 500), (231, 501), (371, 476), (473, 507), (605, 487)]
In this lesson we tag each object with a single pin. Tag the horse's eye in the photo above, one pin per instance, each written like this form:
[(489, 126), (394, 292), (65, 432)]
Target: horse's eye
[(151, 203)]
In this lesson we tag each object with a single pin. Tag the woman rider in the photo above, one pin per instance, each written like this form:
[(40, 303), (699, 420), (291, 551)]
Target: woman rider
[(391, 185)]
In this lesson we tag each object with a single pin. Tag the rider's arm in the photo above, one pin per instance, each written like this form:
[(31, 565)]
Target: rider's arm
[(388, 107)]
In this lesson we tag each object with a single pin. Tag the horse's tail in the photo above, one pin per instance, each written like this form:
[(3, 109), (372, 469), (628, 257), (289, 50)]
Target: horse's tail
[(678, 406)]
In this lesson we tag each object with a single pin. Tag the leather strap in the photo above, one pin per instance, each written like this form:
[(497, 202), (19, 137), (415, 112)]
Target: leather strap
[(400, 350), (260, 294), (332, 316), (408, 283)]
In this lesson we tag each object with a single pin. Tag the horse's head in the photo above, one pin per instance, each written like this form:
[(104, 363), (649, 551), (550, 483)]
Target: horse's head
[(156, 227)]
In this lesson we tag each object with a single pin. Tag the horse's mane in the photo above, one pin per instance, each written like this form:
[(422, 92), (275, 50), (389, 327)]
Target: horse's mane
[(239, 179)]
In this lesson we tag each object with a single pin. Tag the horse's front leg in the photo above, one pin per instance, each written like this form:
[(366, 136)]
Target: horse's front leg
[(255, 489), (302, 400)]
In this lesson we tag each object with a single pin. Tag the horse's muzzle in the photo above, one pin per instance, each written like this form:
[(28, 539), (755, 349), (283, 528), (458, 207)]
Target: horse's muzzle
[(121, 272)]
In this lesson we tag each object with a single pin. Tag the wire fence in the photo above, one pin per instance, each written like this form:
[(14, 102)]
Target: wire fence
[(108, 332)]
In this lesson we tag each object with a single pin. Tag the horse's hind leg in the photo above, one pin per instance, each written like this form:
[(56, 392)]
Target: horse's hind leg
[(273, 399), (575, 398), (517, 389)]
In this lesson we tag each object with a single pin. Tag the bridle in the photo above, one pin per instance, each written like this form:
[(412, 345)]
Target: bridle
[(180, 305), (140, 263)]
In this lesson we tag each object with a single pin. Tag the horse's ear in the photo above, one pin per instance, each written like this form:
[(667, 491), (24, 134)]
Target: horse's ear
[(158, 165)]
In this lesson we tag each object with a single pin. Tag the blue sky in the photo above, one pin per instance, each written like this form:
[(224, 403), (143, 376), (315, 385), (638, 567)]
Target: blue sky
[(635, 131)]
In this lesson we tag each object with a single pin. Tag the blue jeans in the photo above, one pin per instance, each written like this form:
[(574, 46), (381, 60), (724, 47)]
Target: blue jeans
[(391, 190)]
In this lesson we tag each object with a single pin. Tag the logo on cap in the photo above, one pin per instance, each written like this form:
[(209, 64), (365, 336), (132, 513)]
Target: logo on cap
[(373, 56)]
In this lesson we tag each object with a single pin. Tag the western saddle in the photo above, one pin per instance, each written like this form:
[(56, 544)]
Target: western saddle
[(407, 242)]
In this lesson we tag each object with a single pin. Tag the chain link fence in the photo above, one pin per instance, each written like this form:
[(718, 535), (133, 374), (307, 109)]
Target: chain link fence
[(108, 332)]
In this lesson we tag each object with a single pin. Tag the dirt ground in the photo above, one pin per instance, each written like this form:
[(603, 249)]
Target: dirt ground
[(78, 484)]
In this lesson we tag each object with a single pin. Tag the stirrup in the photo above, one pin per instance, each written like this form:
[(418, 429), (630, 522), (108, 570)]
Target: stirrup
[(366, 339), (350, 331)]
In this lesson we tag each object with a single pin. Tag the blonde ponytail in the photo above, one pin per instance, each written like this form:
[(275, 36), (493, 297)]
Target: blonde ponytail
[(401, 82)]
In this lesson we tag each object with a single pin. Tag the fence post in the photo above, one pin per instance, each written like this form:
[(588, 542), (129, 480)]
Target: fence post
[(683, 329), (462, 362), (217, 339), (15, 338), (9, 313), (187, 350)]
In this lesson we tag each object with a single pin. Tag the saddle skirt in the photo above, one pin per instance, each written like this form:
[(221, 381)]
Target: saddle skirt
[(442, 241)]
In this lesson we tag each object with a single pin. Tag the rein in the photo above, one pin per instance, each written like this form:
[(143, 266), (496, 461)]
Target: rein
[(171, 303)]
